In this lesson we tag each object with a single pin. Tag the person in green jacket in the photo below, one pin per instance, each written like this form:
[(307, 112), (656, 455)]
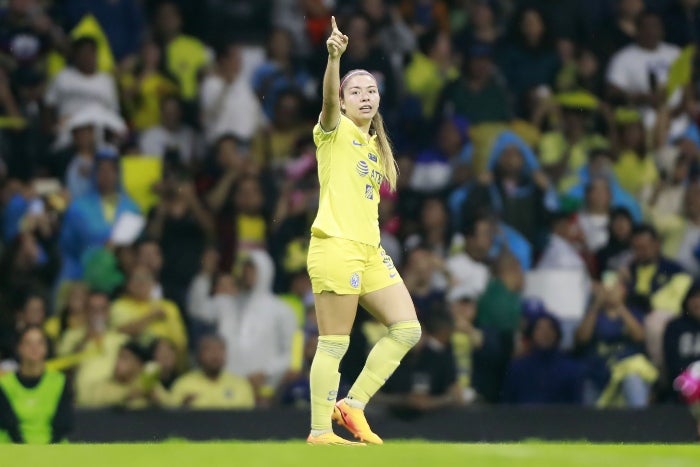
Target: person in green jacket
[(35, 403)]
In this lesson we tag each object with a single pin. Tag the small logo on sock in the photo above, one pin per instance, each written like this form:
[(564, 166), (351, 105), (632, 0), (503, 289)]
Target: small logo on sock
[(332, 396)]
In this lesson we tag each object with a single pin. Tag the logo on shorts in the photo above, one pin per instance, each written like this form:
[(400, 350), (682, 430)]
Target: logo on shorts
[(362, 168), (355, 280), (369, 192)]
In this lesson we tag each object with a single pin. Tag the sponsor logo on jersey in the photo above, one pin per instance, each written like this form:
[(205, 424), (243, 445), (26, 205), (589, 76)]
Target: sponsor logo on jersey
[(372, 157), (369, 192), (356, 143), (362, 168)]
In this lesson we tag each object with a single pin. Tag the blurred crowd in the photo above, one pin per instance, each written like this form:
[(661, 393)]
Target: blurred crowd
[(158, 183)]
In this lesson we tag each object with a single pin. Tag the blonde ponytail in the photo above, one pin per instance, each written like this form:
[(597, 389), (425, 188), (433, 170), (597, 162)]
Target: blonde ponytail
[(385, 151)]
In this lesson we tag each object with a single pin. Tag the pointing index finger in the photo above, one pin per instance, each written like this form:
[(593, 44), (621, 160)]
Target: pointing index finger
[(335, 26)]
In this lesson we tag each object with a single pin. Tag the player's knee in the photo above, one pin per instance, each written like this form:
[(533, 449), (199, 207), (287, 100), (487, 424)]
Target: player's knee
[(334, 346), (406, 332)]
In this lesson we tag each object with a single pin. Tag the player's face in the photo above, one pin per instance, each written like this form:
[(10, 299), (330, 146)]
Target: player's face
[(360, 101)]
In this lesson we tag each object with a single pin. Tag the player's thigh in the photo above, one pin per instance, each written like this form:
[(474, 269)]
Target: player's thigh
[(384, 294), (390, 305), (335, 313)]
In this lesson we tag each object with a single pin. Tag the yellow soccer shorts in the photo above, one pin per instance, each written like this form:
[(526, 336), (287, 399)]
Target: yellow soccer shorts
[(347, 267)]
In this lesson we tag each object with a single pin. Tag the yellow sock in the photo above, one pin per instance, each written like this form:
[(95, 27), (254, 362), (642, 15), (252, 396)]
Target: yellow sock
[(324, 379), (384, 358)]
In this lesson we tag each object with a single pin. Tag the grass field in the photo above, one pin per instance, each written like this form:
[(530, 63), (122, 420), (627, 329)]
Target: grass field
[(394, 454)]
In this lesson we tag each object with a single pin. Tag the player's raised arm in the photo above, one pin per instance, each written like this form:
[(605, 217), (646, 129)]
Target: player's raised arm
[(330, 110)]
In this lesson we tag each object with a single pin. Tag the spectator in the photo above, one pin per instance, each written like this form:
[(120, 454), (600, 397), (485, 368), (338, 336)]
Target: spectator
[(567, 19), (466, 337), (430, 68), (80, 158), (528, 60), (228, 103), (564, 151), (434, 231), (131, 385), (180, 225), (612, 338), (122, 21), (185, 57), (258, 316), (440, 166), (419, 272), (482, 26), (88, 221), (654, 281), (478, 94), (635, 166), (498, 317), (242, 224), (171, 139), (212, 387), (427, 378), (81, 87), (274, 145), (545, 375), (26, 34), (681, 233), (164, 355), (231, 160), (668, 196), (524, 191), (594, 218), (30, 312), (637, 74), (681, 342), (35, 403), (468, 267), (143, 86), (97, 345), (200, 321), (149, 256), (281, 72), (72, 311), (616, 254), (137, 314)]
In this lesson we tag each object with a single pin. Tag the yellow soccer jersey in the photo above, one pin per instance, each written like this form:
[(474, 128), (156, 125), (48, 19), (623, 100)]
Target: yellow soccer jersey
[(350, 174)]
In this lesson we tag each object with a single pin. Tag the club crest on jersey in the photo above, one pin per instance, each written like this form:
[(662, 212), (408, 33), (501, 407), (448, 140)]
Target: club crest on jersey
[(369, 192), (362, 168), (355, 280), (372, 157)]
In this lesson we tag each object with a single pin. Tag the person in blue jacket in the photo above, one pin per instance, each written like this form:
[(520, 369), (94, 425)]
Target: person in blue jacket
[(89, 218)]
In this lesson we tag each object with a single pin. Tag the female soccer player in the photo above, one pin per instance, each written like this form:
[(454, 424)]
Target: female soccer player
[(346, 263)]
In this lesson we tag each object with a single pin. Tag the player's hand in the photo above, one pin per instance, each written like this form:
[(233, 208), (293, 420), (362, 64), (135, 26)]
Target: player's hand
[(337, 42)]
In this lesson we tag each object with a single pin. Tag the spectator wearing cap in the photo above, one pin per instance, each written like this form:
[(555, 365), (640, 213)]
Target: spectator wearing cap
[(654, 281), (211, 386), (635, 167), (564, 151), (131, 385), (681, 341), (431, 67), (611, 338), (89, 219), (545, 375), (479, 95)]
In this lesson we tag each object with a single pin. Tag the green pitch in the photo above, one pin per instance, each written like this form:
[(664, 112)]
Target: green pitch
[(393, 454)]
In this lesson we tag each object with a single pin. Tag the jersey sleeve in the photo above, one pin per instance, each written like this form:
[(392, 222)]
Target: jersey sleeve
[(322, 136)]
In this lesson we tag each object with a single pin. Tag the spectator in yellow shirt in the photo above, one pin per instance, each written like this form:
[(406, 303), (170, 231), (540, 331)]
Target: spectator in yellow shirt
[(137, 314), (211, 387)]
